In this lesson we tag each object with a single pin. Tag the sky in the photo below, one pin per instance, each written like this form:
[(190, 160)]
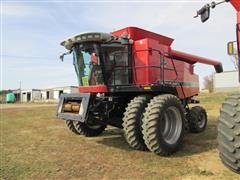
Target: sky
[(31, 32)]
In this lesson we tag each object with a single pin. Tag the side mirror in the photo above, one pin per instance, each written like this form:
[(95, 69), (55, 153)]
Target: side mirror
[(231, 49), (66, 53), (205, 13), (62, 57)]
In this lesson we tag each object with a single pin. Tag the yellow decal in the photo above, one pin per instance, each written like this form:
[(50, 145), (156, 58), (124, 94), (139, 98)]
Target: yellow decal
[(147, 88)]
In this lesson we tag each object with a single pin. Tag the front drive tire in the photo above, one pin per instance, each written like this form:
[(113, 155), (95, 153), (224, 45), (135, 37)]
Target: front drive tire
[(80, 128), (89, 130), (197, 119), (163, 125), (132, 122), (229, 133), (72, 126)]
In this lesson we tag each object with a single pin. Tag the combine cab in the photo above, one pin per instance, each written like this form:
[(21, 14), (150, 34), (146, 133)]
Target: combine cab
[(133, 79)]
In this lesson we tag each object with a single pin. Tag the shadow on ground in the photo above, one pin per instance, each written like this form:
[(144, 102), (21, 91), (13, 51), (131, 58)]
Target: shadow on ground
[(193, 143), (114, 137), (198, 143)]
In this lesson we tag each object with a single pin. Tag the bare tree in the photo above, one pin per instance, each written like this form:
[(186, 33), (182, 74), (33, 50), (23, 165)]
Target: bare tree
[(208, 83)]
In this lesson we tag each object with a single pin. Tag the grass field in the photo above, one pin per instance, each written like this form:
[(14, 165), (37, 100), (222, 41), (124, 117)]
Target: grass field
[(36, 145)]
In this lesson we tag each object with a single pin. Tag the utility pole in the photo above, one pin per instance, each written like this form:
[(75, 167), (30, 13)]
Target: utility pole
[(20, 90)]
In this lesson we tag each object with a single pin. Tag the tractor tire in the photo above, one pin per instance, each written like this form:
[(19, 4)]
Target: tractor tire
[(163, 125), (72, 126), (132, 122), (197, 119), (229, 133), (89, 130)]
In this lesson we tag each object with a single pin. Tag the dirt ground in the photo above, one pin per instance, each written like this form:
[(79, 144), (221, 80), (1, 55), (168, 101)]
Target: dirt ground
[(36, 145), (25, 105)]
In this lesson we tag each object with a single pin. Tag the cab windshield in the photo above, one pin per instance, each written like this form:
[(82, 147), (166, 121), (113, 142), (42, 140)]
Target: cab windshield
[(86, 62), (97, 64)]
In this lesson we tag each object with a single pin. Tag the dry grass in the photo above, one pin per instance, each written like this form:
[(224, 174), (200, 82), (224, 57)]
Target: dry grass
[(36, 145)]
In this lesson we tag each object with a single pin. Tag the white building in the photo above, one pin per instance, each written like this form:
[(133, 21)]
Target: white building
[(51, 94), (226, 81), (54, 93), (27, 95), (17, 94)]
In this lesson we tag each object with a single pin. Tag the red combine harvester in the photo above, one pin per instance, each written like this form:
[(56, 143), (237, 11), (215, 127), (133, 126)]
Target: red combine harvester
[(229, 121), (133, 79)]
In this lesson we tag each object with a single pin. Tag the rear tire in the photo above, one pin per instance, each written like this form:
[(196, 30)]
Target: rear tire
[(229, 133), (197, 119), (132, 122), (163, 124)]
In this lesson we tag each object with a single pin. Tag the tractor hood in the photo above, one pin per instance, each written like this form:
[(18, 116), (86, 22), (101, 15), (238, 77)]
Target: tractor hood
[(86, 37)]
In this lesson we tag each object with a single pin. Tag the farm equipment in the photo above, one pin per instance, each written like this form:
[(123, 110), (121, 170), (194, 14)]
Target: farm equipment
[(229, 121), (10, 97), (133, 79)]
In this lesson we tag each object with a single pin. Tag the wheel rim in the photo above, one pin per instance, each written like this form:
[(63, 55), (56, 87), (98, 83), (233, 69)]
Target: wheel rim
[(201, 120), (171, 125)]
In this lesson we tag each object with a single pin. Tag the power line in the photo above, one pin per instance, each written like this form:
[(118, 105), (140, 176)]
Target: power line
[(26, 57)]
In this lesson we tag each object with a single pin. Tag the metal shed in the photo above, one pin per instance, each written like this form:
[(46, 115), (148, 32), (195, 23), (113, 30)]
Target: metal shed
[(30, 95), (54, 93), (226, 81)]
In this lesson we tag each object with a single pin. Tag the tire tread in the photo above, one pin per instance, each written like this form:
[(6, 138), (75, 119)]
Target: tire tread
[(132, 122), (150, 124), (228, 133)]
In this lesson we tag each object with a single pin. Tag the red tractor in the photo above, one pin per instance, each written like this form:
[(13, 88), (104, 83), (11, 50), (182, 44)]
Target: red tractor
[(229, 121), (133, 79)]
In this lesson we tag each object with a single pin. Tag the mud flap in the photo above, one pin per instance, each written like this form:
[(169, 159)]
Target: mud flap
[(81, 98)]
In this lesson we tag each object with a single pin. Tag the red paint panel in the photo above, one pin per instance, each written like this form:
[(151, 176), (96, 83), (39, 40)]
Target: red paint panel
[(236, 4), (238, 22), (155, 59), (137, 34), (140, 71), (147, 70), (93, 89), (186, 91), (238, 17)]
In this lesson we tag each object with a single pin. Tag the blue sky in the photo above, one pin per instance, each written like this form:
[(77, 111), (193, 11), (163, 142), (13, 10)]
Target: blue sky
[(32, 31)]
